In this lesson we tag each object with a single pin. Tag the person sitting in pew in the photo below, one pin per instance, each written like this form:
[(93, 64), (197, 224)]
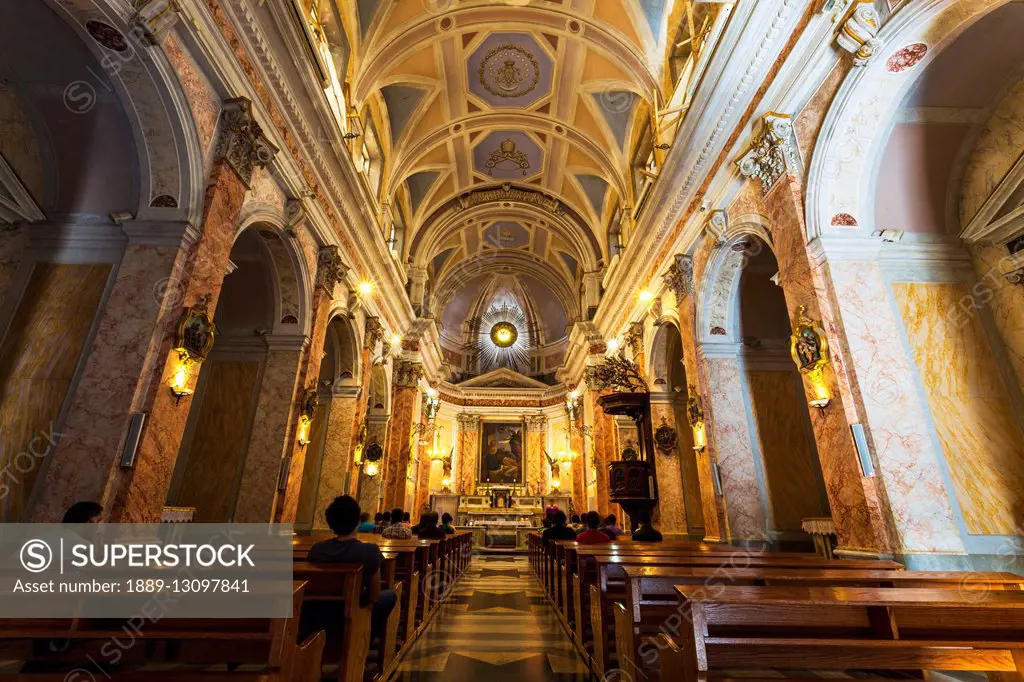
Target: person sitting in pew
[(397, 530), (645, 532), (576, 524), (611, 527), (407, 519), (345, 548), (558, 529), (446, 524), (365, 524), (429, 530), (385, 521), (592, 535)]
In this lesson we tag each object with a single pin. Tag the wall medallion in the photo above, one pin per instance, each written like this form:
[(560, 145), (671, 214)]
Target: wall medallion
[(906, 58), (665, 437), (509, 71), (506, 153), (195, 332), (373, 453)]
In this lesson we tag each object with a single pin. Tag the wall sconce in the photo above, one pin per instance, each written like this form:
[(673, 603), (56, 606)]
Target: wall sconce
[(695, 415), (193, 340), (809, 348), (556, 483), (181, 377), (310, 401), (371, 469), (446, 484), (700, 437), (372, 455)]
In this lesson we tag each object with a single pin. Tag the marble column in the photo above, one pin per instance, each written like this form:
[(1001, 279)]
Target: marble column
[(469, 453), (335, 462), (857, 509), (330, 270), (604, 449), (140, 495), (536, 461), (423, 469), (579, 474), (672, 497), (372, 335), (368, 488), (273, 429), (398, 452), (711, 503), (119, 369)]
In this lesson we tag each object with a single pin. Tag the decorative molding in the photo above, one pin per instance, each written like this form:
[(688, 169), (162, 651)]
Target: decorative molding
[(679, 278), (155, 19), (242, 143), (507, 192), (1001, 218), (468, 422), (858, 33), (635, 338), (330, 269), (772, 153), (717, 225)]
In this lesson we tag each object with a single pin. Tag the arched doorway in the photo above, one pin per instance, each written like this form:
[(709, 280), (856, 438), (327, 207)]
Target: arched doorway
[(238, 425), (767, 455), (338, 387), (677, 469)]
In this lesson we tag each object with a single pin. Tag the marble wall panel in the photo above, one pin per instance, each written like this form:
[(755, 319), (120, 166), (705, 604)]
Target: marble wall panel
[(305, 505), (38, 359), (790, 460), (731, 434), (672, 508), (469, 455), (122, 355), (399, 449), (202, 100), (538, 470), (272, 432), (980, 435), (1002, 299), (998, 147), (337, 455), (216, 452)]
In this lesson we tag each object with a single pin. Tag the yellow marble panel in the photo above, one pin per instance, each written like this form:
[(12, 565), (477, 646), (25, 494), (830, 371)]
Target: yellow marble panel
[(982, 443), (218, 444), (790, 459), (38, 359)]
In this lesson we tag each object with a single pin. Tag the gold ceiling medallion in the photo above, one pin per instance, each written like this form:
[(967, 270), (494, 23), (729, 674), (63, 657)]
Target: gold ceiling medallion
[(507, 152), (509, 71)]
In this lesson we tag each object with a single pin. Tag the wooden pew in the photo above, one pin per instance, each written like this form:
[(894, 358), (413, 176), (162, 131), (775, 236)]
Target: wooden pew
[(270, 643), (651, 601), (597, 571), (846, 628), (341, 584)]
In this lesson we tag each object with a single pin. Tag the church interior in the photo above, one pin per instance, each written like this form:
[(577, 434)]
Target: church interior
[(746, 273)]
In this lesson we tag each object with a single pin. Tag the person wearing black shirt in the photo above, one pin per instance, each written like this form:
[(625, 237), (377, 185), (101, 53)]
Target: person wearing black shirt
[(645, 533), (343, 518), (446, 524), (558, 530), (428, 529)]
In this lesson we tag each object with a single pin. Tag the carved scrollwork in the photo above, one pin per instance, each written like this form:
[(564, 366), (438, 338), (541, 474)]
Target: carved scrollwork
[(242, 145)]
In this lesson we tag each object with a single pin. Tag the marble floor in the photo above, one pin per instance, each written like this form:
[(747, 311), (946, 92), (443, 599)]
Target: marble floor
[(495, 626)]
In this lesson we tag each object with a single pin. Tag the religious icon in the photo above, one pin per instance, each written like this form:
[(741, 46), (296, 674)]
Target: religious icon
[(694, 411), (665, 437), (809, 346), (501, 455), (195, 333)]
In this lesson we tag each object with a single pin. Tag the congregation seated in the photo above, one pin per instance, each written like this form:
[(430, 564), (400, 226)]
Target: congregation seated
[(593, 535), (397, 530), (383, 521), (576, 524), (645, 532), (446, 524), (558, 530), (365, 524), (428, 528), (611, 527), (343, 516)]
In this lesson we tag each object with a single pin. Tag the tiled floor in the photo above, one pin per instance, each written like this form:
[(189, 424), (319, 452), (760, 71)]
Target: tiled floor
[(496, 626)]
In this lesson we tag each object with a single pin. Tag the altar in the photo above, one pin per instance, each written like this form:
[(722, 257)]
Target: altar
[(499, 517)]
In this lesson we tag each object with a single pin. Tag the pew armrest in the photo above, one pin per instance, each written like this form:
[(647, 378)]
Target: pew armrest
[(625, 642), (307, 659), (390, 644)]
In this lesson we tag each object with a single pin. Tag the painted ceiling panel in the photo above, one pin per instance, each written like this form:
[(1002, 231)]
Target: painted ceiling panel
[(507, 155), (595, 188), (654, 12), (617, 108), (419, 184), (570, 262), (506, 235), (509, 70), (420, 64), (401, 101), (614, 14), (366, 9)]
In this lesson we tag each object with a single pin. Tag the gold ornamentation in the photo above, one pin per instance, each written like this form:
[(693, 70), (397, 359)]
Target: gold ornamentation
[(694, 409), (194, 335), (619, 374), (508, 193), (809, 348), (502, 69), (507, 152), (504, 335)]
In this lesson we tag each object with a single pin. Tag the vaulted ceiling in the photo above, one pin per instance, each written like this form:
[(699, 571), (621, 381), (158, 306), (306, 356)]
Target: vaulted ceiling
[(546, 101)]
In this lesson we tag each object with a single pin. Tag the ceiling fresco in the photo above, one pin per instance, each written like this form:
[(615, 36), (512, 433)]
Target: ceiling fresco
[(495, 101)]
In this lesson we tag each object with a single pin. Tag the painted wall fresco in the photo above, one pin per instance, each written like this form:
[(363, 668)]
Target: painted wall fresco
[(981, 437)]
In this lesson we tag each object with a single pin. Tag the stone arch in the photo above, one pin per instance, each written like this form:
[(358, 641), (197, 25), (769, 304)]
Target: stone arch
[(145, 82), (719, 283)]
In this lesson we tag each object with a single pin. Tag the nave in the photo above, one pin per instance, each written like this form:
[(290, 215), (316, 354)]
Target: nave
[(495, 626)]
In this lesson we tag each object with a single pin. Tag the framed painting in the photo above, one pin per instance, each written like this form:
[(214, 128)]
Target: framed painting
[(502, 452)]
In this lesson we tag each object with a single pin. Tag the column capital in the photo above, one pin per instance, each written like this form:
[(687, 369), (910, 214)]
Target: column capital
[(679, 278), (772, 152), (468, 422), (330, 268), (242, 144), (536, 423), (407, 374), (374, 332)]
